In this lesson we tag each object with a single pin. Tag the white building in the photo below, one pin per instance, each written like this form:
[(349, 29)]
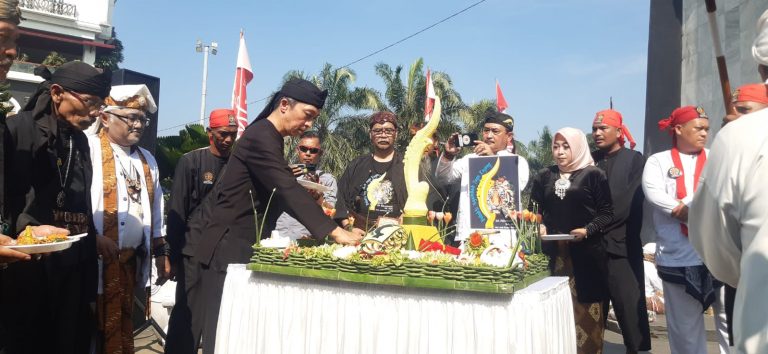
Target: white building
[(75, 29)]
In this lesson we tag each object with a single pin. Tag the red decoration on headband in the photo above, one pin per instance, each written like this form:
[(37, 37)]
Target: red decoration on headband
[(222, 118), (681, 115)]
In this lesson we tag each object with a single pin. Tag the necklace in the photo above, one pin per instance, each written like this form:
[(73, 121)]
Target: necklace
[(63, 179), (562, 185), (131, 180)]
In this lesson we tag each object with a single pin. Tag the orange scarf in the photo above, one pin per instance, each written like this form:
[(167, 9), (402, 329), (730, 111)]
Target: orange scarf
[(115, 305)]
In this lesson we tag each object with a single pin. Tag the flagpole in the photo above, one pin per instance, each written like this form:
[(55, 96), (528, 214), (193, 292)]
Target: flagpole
[(722, 69)]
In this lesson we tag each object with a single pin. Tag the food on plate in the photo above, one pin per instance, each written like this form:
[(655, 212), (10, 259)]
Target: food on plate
[(27, 237)]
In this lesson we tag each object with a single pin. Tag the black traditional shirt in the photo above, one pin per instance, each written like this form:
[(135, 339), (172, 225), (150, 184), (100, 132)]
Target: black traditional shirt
[(196, 172), (255, 169), (624, 169), (371, 189), (586, 204)]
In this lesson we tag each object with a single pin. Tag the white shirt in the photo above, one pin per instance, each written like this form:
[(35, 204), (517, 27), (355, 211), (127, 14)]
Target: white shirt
[(729, 223), (672, 247), (448, 172), (151, 211), (292, 228)]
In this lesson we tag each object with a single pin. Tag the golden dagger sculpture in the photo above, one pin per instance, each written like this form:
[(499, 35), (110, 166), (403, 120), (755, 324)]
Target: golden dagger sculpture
[(415, 210)]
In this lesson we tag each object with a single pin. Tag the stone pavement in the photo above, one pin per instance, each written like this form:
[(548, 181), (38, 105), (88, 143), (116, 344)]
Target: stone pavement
[(147, 342)]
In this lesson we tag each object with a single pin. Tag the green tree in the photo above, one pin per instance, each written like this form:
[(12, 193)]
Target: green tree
[(111, 59), (406, 98), (336, 127), (54, 59), (171, 148)]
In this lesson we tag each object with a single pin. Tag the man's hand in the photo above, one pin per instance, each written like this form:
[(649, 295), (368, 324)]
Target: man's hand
[(297, 171), (483, 149), (345, 237), (680, 212), (8, 255), (47, 230), (164, 269), (542, 229), (450, 150), (579, 234), (107, 249)]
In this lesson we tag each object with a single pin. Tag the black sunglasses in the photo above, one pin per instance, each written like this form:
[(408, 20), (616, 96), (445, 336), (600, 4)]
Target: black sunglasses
[(311, 150)]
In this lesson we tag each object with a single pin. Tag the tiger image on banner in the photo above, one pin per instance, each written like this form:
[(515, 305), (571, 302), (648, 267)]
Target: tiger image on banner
[(493, 191)]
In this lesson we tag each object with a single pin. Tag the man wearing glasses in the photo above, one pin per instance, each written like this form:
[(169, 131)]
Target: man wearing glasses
[(127, 205), (373, 185), (50, 183), (497, 134), (747, 99), (308, 153), (196, 173)]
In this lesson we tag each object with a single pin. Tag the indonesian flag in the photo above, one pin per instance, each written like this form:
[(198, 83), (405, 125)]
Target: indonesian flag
[(429, 102), (501, 106), (243, 75), (501, 103)]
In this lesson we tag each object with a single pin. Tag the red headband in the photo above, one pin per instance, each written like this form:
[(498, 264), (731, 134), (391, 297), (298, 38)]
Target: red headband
[(751, 92), (222, 118), (681, 115), (614, 119)]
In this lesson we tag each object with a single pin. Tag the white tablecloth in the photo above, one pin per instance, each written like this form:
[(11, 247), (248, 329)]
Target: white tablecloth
[(264, 313)]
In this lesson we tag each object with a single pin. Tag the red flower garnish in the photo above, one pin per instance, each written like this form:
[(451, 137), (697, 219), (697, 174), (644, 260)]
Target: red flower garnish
[(475, 239)]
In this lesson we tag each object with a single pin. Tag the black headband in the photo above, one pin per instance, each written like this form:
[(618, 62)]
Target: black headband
[(75, 76), (500, 118), (298, 89)]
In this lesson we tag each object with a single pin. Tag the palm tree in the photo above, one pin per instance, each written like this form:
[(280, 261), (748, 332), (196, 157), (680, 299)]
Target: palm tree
[(171, 148), (334, 126), (406, 99), (539, 151)]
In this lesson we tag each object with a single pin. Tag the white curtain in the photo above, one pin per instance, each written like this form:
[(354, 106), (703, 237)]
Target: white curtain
[(263, 313)]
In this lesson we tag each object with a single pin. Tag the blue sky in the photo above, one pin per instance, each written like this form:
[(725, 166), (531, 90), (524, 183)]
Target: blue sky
[(557, 61)]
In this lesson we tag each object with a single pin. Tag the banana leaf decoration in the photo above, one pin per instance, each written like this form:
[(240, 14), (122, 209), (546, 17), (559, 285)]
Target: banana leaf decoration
[(483, 187)]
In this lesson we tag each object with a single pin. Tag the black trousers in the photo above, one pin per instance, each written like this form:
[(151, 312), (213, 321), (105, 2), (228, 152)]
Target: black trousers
[(626, 287), (730, 298), (46, 308), (186, 323), (213, 288)]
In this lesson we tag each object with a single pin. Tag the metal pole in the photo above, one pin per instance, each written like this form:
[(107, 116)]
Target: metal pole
[(205, 79)]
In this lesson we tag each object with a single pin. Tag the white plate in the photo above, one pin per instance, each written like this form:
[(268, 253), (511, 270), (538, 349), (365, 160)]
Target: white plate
[(312, 185), (44, 248), (557, 237), (77, 237)]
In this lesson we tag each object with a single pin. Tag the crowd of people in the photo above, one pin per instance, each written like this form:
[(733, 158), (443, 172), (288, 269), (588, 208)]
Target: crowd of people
[(71, 164)]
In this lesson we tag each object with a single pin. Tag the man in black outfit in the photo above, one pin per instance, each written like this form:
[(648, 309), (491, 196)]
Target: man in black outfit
[(255, 171), (196, 173), (626, 279), (51, 184)]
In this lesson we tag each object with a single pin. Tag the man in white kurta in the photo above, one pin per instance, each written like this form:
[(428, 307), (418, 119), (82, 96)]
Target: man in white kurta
[(669, 181), (729, 226), (497, 133), (127, 204)]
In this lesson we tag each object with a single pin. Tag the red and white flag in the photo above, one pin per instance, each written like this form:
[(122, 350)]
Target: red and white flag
[(243, 75), (501, 103), (429, 102)]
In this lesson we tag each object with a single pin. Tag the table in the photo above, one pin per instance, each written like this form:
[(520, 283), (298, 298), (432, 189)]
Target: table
[(268, 313)]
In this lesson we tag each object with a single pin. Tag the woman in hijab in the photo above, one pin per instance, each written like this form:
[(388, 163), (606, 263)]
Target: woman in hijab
[(574, 198)]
